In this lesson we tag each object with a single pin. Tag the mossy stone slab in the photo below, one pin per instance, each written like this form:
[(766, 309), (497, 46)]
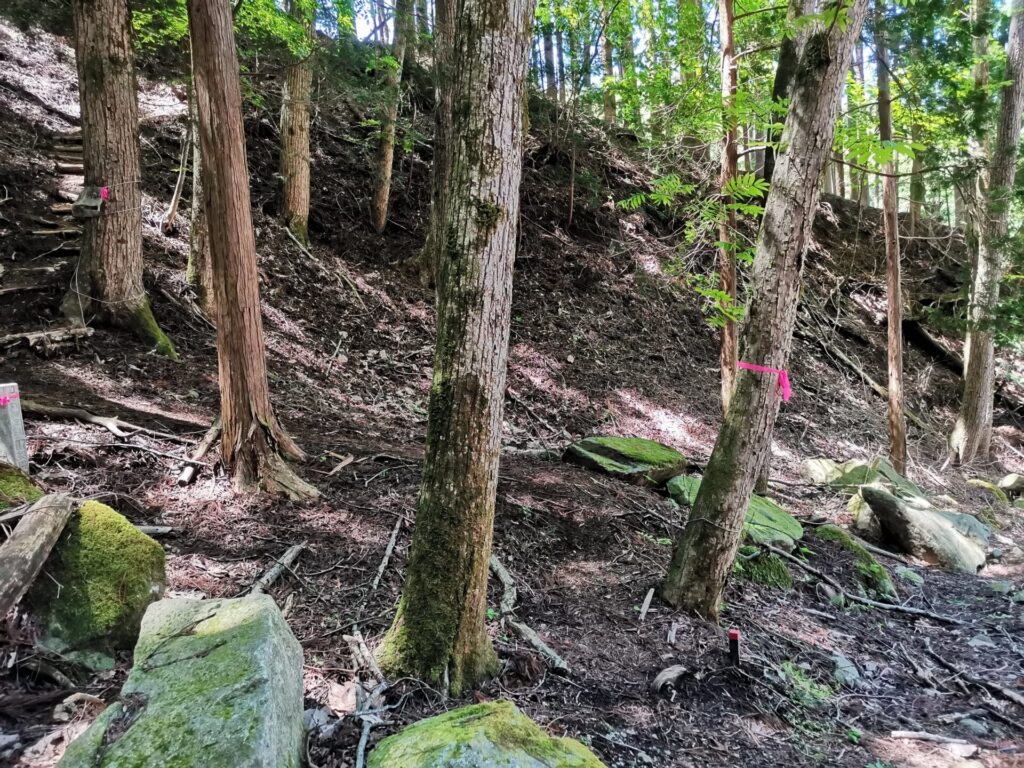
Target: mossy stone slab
[(15, 487), (216, 684), (766, 522), (628, 458), (98, 581), (870, 572), (491, 735)]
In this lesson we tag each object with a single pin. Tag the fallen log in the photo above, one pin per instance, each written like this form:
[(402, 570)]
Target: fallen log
[(23, 554), (55, 335), (274, 572), (112, 424), (189, 471)]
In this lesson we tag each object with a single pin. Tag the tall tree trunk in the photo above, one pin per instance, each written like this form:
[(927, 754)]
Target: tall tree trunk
[(918, 188), (890, 217), (295, 134), (560, 53), (251, 438), (727, 222), (198, 270), (550, 82), (608, 65), (785, 71), (386, 151), (972, 433), (705, 551), (423, 42), (627, 55), (108, 283), (862, 195), (438, 633)]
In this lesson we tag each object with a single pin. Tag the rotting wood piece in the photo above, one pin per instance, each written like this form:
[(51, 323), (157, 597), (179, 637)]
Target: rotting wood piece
[(51, 336), (23, 554), (274, 572), (189, 471)]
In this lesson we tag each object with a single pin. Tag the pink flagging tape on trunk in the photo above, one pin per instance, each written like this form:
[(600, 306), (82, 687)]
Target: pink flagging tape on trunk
[(6, 399), (787, 391)]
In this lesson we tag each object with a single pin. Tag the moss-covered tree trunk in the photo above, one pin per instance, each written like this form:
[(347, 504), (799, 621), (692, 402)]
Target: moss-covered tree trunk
[(252, 443), (894, 290), (972, 433), (109, 280), (706, 549), (404, 32), (295, 96), (439, 633)]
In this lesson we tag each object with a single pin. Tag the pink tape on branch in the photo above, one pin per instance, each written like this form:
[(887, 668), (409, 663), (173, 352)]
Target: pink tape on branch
[(5, 400), (104, 193), (784, 385)]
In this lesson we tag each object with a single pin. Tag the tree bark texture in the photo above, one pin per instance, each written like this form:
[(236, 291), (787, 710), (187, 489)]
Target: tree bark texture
[(727, 352), (785, 70), (607, 85), (972, 433), (198, 269), (894, 288), (251, 439), (108, 282), (704, 554), (550, 80), (295, 98), (393, 92), (439, 633)]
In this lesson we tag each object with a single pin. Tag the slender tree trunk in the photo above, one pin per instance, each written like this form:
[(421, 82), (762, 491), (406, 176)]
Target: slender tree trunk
[(785, 71), (607, 87), (168, 225), (560, 53), (705, 551), (894, 289), (198, 270), (423, 41), (629, 76), (550, 83), (972, 433), (727, 223), (251, 438), (108, 282), (438, 634), (295, 98), (386, 151), (918, 188), (863, 195)]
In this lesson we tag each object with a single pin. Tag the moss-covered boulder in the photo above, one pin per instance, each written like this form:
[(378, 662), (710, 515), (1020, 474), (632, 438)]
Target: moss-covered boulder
[(216, 684), (96, 585), (491, 735), (766, 522), (873, 576), (854, 473), (628, 458), (16, 487), (763, 567)]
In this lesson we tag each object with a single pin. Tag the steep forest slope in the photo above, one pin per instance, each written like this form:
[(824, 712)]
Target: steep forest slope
[(608, 337)]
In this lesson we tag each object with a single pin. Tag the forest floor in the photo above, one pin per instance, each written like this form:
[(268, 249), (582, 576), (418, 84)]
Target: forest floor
[(605, 340)]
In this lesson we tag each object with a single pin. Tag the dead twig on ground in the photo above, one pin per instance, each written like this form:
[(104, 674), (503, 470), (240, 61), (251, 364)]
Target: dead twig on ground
[(190, 470), (857, 598), (995, 688), (273, 573), (112, 424), (525, 632)]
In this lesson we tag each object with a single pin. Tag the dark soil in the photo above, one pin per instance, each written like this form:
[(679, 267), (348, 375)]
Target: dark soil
[(604, 340)]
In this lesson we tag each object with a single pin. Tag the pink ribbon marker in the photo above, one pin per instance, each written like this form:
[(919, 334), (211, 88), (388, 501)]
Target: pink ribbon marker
[(787, 391), (104, 193), (6, 399)]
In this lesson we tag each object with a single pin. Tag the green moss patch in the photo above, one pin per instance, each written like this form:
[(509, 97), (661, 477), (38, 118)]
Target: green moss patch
[(766, 522), (627, 458), (98, 581), (15, 487), (491, 734), (803, 689), (763, 568), (871, 573)]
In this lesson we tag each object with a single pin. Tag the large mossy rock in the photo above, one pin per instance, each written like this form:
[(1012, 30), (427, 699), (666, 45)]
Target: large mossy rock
[(766, 522), (15, 487), (216, 684), (96, 585), (953, 540), (628, 458), (491, 735), (852, 474), (873, 576)]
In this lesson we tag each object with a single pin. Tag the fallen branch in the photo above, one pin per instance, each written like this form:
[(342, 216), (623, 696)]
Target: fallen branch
[(56, 335), (112, 424), (23, 554), (525, 632), (313, 260), (857, 598), (155, 530), (1006, 693), (189, 471), (273, 573), (387, 556)]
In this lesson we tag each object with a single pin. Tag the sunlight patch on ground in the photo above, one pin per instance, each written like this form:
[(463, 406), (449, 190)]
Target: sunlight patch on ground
[(643, 418), (540, 370), (583, 575), (908, 753)]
